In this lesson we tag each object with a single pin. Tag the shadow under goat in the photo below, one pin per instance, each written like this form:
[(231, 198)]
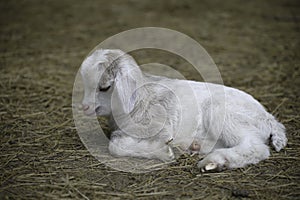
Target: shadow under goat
[(150, 115)]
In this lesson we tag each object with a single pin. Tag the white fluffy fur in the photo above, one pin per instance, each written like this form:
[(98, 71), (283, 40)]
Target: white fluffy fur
[(149, 120)]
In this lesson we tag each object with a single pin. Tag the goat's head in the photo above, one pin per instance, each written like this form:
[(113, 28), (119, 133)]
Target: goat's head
[(110, 79)]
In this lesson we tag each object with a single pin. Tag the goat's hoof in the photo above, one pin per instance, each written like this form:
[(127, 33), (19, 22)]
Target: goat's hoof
[(209, 167), (214, 162)]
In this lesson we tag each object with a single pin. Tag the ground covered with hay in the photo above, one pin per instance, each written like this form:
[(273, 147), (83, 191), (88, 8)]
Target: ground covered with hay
[(255, 45)]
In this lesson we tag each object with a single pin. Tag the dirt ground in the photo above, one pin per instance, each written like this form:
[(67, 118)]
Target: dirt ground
[(254, 43)]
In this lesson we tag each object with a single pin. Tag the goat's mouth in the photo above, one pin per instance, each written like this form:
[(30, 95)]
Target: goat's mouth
[(101, 111), (90, 112), (97, 109)]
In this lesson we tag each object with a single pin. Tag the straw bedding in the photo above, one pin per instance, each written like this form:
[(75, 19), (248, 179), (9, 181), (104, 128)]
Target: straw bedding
[(255, 45)]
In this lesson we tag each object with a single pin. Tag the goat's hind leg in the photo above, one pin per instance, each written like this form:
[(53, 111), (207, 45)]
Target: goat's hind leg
[(124, 145), (249, 151)]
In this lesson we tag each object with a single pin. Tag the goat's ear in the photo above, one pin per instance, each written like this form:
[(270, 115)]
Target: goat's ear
[(126, 83)]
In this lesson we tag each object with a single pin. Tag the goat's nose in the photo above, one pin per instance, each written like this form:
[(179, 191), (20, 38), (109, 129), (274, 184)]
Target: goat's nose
[(85, 107)]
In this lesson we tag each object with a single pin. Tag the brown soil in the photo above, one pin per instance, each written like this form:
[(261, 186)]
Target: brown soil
[(255, 45)]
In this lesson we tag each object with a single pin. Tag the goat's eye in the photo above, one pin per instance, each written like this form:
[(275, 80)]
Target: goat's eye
[(104, 89)]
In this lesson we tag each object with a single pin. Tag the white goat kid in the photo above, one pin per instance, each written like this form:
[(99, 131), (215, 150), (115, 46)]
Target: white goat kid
[(151, 114)]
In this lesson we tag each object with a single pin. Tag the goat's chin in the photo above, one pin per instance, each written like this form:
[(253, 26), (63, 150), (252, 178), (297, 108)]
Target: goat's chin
[(90, 113)]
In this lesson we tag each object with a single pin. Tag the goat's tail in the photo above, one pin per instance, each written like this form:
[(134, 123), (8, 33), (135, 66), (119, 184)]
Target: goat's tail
[(278, 136)]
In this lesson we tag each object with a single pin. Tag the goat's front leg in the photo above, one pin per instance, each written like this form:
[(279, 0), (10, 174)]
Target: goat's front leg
[(124, 145)]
